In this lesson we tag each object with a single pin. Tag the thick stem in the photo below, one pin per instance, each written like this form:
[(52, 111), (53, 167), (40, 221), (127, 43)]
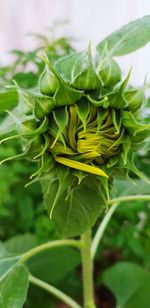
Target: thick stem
[(87, 265), (59, 294)]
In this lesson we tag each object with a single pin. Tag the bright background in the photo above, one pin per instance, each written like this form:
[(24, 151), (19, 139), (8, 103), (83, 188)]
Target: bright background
[(87, 20)]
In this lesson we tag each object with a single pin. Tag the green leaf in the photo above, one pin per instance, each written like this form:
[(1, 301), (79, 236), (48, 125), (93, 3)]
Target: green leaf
[(21, 243), (6, 264), (6, 260), (129, 283), (8, 99), (124, 187), (55, 186), (3, 252), (129, 38), (13, 287), (54, 265), (76, 211), (26, 79), (140, 297), (71, 208)]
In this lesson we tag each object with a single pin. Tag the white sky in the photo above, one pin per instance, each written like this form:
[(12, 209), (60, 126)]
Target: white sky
[(88, 20)]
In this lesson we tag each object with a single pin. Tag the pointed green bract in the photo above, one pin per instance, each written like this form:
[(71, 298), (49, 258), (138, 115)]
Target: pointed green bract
[(48, 82), (109, 70)]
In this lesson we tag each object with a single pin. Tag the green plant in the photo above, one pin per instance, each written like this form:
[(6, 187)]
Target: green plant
[(82, 125)]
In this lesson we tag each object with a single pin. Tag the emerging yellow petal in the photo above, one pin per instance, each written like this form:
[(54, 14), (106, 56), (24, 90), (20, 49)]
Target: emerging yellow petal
[(80, 166)]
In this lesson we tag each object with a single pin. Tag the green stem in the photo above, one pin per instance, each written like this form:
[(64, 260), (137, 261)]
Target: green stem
[(87, 270), (101, 230), (59, 243), (59, 294), (115, 203), (129, 198)]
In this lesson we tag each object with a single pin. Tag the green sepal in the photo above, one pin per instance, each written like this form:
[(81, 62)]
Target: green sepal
[(117, 101), (54, 129), (138, 140), (135, 98), (101, 102), (126, 147), (48, 82), (101, 114), (65, 94), (113, 161), (61, 118), (83, 109), (47, 164), (131, 124), (34, 147), (26, 100), (116, 119), (43, 106), (64, 65), (30, 129), (109, 70), (116, 98), (84, 76), (130, 166)]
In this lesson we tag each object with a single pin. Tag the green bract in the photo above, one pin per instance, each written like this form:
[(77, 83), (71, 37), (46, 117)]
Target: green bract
[(82, 125)]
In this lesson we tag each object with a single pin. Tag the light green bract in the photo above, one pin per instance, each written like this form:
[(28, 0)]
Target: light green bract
[(82, 125)]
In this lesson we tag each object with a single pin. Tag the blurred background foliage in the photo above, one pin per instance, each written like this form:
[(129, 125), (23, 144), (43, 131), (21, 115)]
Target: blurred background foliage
[(24, 222)]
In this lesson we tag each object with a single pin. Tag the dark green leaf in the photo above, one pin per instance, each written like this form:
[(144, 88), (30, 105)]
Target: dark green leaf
[(75, 211), (54, 265)]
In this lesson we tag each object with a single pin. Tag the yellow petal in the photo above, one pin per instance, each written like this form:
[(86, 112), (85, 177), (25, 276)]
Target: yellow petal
[(80, 166)]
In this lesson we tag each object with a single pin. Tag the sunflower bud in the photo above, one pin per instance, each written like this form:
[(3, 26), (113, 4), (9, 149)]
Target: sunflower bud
[(81, 136)]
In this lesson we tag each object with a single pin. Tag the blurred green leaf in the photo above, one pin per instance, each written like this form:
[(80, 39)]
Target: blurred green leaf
[(8, 99), (127, 39), (129, 283), (125, 187), (21, 243)]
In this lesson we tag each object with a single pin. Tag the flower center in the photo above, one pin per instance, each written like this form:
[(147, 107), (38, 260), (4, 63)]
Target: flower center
[(93, 139)]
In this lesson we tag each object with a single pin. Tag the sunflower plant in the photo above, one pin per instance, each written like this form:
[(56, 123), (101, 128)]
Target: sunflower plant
[(82, 125)]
